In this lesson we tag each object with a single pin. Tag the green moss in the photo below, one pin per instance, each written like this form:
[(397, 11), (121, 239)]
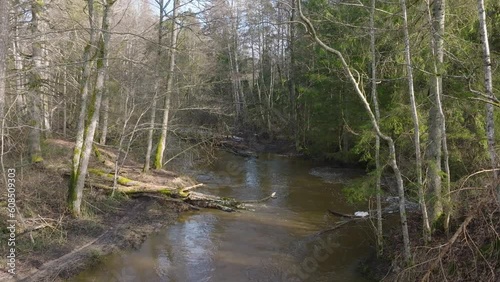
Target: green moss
[(36, 159), (159, 154), (166, 192), (97, 153), (123, 180), (97, 171), (181, 193)]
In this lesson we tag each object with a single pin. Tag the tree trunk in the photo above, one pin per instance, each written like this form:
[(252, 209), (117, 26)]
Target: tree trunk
[(380, 235), (291, 78), (436, 117), (78, 181), (65, 101), (105, 114), (18, 65), (36, 83), (488, 85), (170, 86), (416, 126), (158, 79), (4, 39), (74, 197)]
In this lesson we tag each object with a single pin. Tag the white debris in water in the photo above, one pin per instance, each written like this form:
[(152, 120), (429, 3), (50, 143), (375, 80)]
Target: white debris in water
[(361, 214)]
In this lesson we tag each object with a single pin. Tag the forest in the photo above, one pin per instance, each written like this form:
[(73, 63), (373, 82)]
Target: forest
[(407, 90)]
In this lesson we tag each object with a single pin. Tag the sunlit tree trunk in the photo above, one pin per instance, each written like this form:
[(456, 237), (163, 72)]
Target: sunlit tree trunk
[(92, 112), (156, 90), (170, 86), (488, 86), (416, 126), (74, 196)]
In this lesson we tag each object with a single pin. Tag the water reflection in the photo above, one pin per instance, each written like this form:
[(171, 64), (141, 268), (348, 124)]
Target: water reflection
[(279, 241)]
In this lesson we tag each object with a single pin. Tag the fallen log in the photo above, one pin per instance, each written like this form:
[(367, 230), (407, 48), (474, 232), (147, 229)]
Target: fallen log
[(103, 180), (342, 214)]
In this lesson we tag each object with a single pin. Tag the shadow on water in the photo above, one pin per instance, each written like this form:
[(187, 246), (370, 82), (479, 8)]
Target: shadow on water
[(277, 241)]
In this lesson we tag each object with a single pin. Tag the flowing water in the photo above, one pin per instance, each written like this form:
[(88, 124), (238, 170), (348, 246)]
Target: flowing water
[(278, 240)]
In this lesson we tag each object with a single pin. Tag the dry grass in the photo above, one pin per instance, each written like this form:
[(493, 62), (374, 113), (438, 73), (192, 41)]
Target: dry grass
[(473, 256), (41, 200)]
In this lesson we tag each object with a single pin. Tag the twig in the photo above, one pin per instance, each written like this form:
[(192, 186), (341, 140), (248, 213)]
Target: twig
[(338, 225), (447, 247), (192, 187)]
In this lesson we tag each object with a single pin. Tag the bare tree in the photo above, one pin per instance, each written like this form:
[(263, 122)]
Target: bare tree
[(78, 177), (488, 85), (157, 87), (4, 39), (160, 149), (437, 150), (416, 126), (37, 80), (378, 168)]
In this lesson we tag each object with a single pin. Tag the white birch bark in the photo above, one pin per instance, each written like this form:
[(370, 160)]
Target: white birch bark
[(488, 86), (416, 126)]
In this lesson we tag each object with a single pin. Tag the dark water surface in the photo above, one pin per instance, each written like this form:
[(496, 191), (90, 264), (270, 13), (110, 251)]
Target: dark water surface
[(277, 241)]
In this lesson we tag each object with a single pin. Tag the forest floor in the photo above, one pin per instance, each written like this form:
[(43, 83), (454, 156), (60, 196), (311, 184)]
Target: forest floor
[(51, 245), (470, 252)]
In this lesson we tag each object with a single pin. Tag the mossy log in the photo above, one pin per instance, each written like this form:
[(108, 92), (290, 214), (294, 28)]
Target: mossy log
[(101, 179)]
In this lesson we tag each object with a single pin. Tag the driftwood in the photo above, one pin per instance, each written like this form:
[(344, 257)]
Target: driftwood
[(102, 180), (343, 214)]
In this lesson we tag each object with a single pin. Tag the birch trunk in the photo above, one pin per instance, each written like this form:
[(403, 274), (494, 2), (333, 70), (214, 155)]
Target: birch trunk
[(416, 126), (488, 86), (373, 119), (170, 86)]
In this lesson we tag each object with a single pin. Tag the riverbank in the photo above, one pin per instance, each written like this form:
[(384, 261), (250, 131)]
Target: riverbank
[(51, 245), (469, 252)]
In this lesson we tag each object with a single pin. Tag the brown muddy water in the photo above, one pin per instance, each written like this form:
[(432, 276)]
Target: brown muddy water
[(277, 240)]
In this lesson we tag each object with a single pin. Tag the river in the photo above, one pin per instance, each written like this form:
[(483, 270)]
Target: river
[(278, 240)]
